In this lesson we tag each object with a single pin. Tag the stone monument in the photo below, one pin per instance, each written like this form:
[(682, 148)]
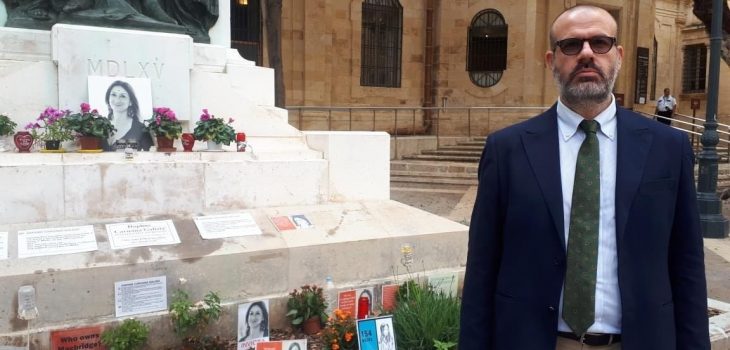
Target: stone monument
[(338, 180)]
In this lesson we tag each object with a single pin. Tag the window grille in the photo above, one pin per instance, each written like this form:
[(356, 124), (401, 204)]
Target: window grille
[(487, 48), (246, 29), (382, 31), (694, 68)]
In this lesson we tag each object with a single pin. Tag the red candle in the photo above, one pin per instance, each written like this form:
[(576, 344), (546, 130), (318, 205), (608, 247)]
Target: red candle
[(363, 307)]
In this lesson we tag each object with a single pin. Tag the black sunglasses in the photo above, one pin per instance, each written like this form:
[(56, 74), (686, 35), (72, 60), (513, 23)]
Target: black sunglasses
[(599, 44)]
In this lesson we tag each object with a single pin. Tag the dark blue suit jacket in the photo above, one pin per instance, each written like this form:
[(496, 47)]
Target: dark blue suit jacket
[(516, 261)]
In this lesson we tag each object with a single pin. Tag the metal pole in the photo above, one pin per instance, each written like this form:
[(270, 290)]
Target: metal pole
[(396, 132), (694, 122), (712, 222), (468, 118)]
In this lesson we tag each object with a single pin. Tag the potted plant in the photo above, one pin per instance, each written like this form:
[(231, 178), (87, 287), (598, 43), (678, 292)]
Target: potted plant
[(90, 126), (307, 309), (165, 126), (340, 332), (130, 335), (7, 128), (214, 130), (51, 127)]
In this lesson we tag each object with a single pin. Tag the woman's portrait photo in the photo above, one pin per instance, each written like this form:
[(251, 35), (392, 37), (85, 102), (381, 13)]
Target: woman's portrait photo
[(386, 338), (127, 103), (253, 322), (301, 221)]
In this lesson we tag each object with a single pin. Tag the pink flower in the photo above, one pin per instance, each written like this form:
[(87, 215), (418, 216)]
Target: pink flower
[(205, 116), (30, 126), (94, 111), (85, 107)]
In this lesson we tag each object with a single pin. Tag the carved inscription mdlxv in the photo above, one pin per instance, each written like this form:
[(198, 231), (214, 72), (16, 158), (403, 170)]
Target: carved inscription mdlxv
[(114, 68)]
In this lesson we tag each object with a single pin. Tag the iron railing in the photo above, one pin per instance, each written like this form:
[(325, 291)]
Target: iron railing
[(694, 127), (400, 121)]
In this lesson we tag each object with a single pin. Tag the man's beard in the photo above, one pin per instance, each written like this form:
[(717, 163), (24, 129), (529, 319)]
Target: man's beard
[(578, 93)]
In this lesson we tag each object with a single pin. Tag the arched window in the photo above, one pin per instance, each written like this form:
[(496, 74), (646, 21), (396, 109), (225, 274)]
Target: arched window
[(382, 30), (487, 48)]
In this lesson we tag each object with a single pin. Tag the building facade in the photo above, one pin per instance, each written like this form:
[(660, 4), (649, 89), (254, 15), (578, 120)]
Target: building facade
[(466, 53)]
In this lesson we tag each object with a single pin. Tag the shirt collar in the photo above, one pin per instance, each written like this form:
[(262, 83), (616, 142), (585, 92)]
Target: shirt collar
[(568, 120)]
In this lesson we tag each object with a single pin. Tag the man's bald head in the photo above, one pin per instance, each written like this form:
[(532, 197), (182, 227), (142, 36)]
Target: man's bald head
[(576, 11)]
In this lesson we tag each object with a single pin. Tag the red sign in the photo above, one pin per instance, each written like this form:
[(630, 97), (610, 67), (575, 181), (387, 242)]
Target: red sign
[(695, 102), (77, 338), (346, 302)]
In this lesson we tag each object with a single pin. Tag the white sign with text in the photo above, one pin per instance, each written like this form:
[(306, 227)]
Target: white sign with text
[(53, 241), (140, 296), (3, 245), (142, 234), (226, 225)]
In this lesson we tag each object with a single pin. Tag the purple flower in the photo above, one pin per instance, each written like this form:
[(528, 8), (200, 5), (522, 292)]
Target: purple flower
[(29, 126), (205, 116), (230, 120)]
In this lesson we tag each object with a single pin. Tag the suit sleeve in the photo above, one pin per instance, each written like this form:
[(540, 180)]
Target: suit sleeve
[(686, 263), (483, 257)]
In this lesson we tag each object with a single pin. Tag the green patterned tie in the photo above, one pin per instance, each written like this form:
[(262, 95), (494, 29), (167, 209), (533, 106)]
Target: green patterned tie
[(580, 278)]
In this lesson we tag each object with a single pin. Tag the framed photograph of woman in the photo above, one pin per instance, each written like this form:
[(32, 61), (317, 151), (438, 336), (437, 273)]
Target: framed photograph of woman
[(253, 324), (127, 102)]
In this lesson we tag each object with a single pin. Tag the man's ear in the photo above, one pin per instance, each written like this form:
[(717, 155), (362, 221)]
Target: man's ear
[(549, 57)]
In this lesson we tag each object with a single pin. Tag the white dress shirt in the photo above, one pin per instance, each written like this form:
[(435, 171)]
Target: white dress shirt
[(666, 103), (608, 299)]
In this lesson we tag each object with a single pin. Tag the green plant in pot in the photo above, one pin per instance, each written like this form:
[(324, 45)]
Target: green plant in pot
[(51, 126), (307, 308), (165, 126), (7, 126), (90, 126), (130, 335), (214, 130)]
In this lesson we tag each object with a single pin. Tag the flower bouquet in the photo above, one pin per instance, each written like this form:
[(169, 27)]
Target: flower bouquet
[(165, 126), (214, 130)]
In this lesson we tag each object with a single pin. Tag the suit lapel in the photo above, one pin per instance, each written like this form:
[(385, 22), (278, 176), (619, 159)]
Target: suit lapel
[(633, 146), (541, 146)]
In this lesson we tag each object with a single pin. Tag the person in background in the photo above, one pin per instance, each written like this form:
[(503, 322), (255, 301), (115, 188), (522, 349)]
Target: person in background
[(665, 107), (585, 233)]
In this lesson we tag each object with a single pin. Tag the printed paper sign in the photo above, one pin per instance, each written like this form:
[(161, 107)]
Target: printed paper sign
[(3, 245), (77, 338), (283, 223), (376, 333), (389, 296), (142, 234), (253, 324), (140, 296), (300, 344), (230, 225), (53, 241), (346, 302), (445, 284)]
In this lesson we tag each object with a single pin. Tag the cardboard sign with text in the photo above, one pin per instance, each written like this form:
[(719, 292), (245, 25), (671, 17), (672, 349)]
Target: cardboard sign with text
[(77, 338)]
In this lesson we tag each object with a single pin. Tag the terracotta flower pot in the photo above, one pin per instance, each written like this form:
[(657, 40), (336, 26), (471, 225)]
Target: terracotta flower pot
[(188, 140), (312, 325), (164, 144), (24, 141), (90, 143)]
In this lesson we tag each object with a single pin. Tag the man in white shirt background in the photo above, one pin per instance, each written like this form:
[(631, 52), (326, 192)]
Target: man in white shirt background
[(665, 107)]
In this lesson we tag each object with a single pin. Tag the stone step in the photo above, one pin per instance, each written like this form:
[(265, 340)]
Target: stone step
[(400, 180), (474, 159), (430, 174), (443, 152), (470, 143), (431, 166), (462, 148)]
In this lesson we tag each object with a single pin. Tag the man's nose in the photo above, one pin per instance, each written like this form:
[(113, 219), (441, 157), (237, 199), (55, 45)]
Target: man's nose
[(586, 50)]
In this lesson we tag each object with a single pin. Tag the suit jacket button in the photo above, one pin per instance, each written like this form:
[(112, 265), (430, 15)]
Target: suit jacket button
[(551, 308)]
